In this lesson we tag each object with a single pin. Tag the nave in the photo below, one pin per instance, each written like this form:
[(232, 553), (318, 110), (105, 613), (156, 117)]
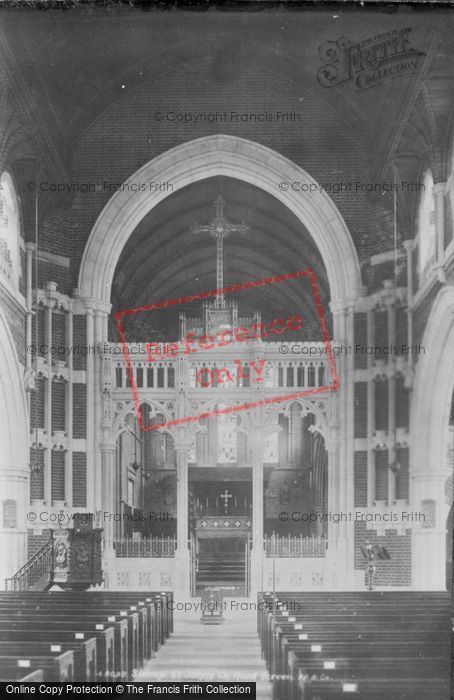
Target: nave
[(296, 646), (228, 652)]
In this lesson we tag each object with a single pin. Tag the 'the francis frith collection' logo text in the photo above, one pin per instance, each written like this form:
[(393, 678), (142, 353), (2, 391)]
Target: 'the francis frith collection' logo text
[(370, 61)]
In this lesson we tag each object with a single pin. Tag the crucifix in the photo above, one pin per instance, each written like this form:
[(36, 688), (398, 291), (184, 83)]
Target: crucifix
[(225, 497), (220, 228)]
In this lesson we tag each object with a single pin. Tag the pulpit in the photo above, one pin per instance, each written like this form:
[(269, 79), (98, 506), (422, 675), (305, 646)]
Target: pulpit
[(212, 606), (76, 558)]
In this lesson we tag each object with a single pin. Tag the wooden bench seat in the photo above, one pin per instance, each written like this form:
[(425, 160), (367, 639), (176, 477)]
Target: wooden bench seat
[(85, 662), (55, 667), (69, 631), (321, 645), (110, 633)]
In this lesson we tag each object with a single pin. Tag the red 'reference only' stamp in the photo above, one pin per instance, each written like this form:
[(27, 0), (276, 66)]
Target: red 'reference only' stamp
[(192, 343)]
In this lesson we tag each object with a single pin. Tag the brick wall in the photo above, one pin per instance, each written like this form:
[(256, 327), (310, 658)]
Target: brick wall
[(79, 479), (360, 339), (36, 541), (79, 339), (381, 333), (59, 333), (58, 475), (360, 409), (51, 272), (360, 478), (37, 404), (381, 404), (114, 146), (402, 403), (401, 326), (381, 474), (37, 477), (402, 476), (58, 406), (79, 410), (396, 572), (42, 340)]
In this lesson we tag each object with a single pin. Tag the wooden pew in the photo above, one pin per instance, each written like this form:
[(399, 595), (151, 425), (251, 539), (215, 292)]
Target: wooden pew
[(70, 632), (353, 638), (55, 667), (22, 675), (149, 621), (85, 663), (125, 626)]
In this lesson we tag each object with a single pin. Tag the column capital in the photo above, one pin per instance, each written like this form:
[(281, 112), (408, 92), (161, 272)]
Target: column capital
[(332, 445), (181, 445), (343, 305), (439, 188), (96, 305), (409, 244), (108, 447)]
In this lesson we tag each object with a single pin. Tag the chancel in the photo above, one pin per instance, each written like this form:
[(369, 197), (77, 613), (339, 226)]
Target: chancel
[(206, 311)]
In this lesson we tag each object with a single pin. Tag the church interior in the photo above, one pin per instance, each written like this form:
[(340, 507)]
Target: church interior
[(227, 335)]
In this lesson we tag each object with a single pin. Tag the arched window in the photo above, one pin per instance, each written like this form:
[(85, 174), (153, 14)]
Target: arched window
[(426, 227), (9, 230)]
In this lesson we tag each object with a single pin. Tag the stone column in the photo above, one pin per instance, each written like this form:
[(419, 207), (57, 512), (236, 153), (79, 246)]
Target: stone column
[(181, 449), (182, 558), (391, 309), (107, 522), (90, 392), (343, 317), (96, 314), (256, 445), (51, 287), (100, 321), (29, 249), (439, 192), (69, 410), (429, 529), (332, 449), (408, 245), (370, 410)]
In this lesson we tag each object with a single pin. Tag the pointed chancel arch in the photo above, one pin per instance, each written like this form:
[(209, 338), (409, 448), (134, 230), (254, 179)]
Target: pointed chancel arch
[(431, 403), (211, 156), (14, 457)]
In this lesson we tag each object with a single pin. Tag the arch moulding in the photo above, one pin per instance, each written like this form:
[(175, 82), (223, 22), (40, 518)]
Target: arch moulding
[(231, 157)]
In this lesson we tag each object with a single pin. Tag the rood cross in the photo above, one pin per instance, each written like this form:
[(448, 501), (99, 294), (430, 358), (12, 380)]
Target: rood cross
[(225, 497), (219, 229)]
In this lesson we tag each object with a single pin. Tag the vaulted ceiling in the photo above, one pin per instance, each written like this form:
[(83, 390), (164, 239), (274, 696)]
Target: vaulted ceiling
[(67, 72), (75, 65), (163, 259)]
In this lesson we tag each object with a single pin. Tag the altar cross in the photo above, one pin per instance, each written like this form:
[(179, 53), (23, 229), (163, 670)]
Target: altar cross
[(220, 228), (225, 497)]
